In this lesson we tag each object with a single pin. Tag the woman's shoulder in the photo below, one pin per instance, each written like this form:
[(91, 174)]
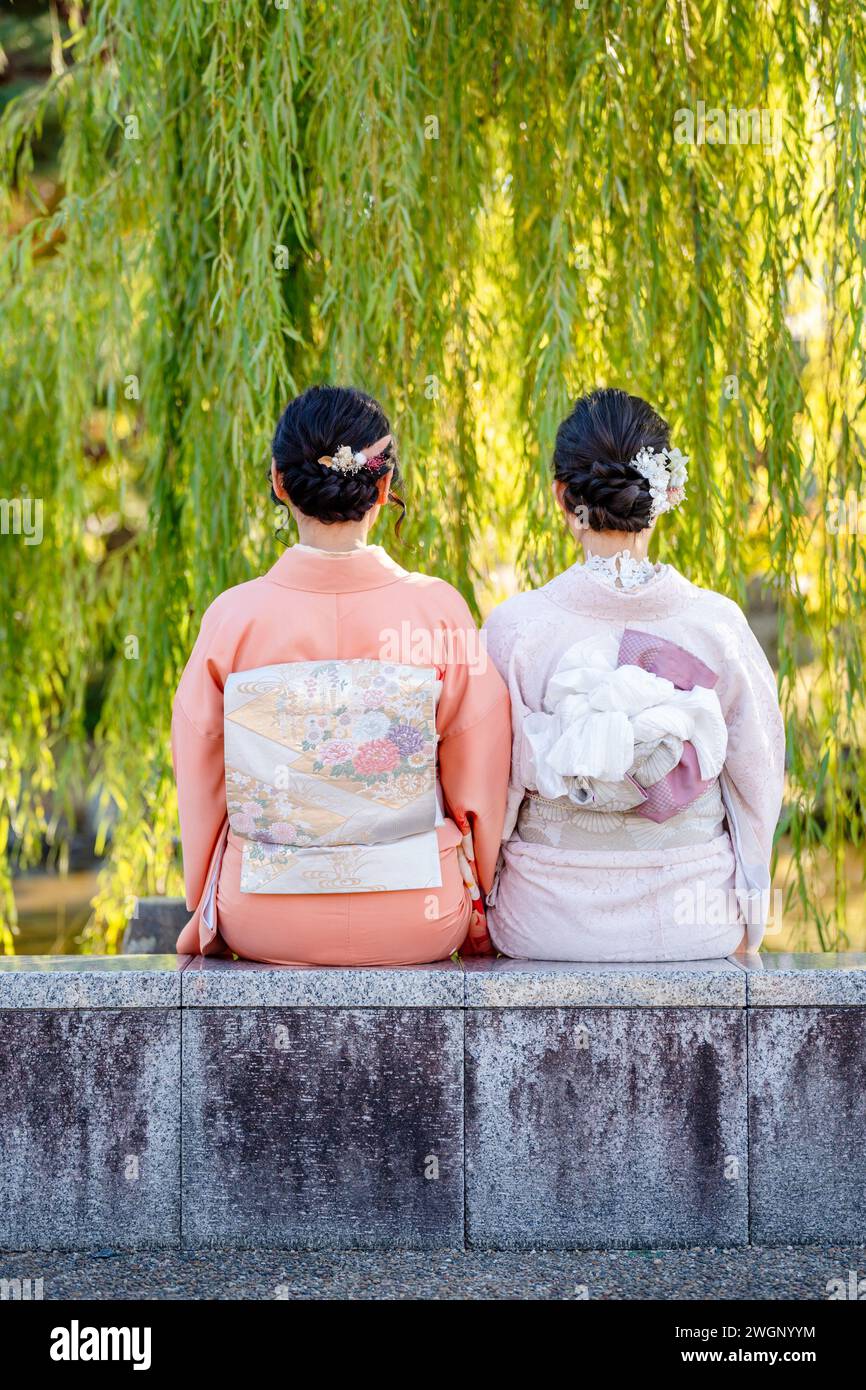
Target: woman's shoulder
[(718, 607), (437, 594), (234, 603), (727, 627), (518, 626), (514, 611), (236, 596)]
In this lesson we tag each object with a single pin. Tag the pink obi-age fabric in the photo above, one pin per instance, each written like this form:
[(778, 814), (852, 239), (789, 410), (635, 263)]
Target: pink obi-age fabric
[(664, 659), (683, 784), (673, 793)]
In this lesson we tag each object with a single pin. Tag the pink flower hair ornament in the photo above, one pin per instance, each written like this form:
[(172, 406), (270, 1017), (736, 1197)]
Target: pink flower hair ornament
[(346, 460)]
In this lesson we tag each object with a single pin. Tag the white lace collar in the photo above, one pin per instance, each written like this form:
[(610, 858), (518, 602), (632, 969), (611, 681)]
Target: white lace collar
[(621, 571)]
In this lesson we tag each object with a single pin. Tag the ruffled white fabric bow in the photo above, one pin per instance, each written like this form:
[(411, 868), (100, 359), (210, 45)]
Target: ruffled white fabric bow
[(601, 721)]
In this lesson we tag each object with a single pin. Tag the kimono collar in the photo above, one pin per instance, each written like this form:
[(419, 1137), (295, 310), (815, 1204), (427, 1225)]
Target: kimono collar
[(320, 572), (662, 596)]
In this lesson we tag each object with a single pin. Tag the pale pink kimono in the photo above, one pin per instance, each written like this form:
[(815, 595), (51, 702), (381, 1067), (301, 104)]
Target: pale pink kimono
[(316, 606), (551, 902)]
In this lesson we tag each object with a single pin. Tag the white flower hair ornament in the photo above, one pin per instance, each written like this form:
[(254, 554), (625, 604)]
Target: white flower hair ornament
[(665, 471), (347, 460)]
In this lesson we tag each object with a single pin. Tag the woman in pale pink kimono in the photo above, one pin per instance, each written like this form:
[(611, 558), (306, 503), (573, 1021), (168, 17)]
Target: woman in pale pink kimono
[(341, 743), (648, 747)]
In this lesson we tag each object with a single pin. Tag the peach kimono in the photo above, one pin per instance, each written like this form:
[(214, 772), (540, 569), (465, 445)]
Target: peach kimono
[(368, 688)]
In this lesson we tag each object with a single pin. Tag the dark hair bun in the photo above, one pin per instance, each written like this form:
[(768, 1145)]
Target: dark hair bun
[(594, 445), (314, 425)]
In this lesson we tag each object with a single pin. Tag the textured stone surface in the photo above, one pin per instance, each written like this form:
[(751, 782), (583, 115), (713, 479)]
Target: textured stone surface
[(511, 984), (90, 982), (437, 1275), (315, 1127), (89, 1128), (807, 1123), (607, 1127), (155, 925), (789, 979), (210, 983), (606, 1105)]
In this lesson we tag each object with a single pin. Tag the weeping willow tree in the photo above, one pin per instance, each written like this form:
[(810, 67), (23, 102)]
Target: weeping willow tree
[(476, 212)]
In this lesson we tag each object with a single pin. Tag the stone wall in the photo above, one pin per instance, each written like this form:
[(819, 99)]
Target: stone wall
[(147, 1101)]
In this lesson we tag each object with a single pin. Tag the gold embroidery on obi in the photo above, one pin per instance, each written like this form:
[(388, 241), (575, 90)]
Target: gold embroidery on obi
[(331, 776)]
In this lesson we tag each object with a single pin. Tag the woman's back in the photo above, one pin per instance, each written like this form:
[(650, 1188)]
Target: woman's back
[(648, 748), (341, 749)]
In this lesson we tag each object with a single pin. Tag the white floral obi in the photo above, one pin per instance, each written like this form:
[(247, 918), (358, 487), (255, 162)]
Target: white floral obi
[(331, 776)]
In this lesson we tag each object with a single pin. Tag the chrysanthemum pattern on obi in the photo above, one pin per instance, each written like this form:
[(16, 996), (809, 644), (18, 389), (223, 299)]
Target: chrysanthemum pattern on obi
[(331, 776)]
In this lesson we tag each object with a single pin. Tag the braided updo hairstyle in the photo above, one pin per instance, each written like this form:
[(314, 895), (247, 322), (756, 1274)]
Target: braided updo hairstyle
[(591, 456), (314, 425)]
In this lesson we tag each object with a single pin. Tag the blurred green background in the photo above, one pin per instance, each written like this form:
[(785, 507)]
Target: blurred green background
[(475, 212)]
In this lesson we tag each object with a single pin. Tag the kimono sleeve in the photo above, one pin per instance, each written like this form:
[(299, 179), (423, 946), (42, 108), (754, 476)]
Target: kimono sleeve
[(755, 758), (198, 758), (502, 633), (754, 772), (474, 743)]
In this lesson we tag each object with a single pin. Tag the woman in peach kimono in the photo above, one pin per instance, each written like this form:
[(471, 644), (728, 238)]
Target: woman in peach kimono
[(341, 743), (648, 747)]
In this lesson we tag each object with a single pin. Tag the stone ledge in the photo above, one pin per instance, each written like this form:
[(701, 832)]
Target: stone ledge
[(606, 1127), (807, 1123), (91, 982), (526, 984), (166, 981), (232, 984), (795, 979), (502, 984), (779, 980), (505, 1103)]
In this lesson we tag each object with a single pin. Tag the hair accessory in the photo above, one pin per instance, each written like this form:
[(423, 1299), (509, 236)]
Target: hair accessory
[(346, 460), (665, 471)]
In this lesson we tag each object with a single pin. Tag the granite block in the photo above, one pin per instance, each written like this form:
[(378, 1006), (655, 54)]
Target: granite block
[(230, 984), (90, 982), (155, 926), (606, 1127), (323, 1127), (513, 984), (778, 979), (90, 1125), (807, 1124)]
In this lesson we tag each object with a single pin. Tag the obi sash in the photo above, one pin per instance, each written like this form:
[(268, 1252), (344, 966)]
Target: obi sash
[(632, 725), (331, 776), (683, 784)]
